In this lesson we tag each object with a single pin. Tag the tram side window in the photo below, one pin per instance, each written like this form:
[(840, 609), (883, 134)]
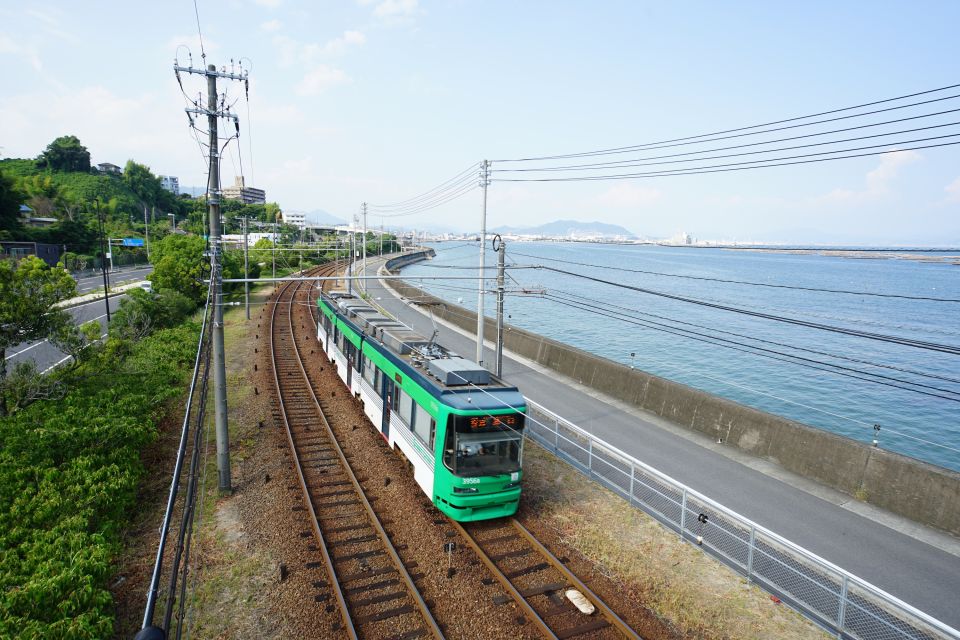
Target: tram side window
[(405, 407), (369, 371), (424, 425)]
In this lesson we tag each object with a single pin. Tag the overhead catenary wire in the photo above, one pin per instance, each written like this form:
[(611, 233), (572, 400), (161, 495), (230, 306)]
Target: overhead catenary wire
[(741, 282), (698, 138), (909, 342), (773, 354), (462, 176)]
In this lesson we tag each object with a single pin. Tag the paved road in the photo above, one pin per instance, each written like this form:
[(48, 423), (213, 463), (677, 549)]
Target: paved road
[(44, 354), (919, 573), (91, 283)]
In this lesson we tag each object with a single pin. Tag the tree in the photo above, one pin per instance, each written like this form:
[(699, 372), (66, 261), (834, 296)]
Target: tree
[(10, 200), (142, 313), (179, 264), (65, 154), (28, 291)]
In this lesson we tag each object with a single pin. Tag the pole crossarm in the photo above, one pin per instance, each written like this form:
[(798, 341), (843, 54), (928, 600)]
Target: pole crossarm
[(226, 113)]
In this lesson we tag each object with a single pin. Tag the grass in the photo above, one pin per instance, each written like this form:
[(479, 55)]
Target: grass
[(694, 592)]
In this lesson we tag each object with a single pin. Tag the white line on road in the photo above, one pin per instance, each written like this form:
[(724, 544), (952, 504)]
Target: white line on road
[(35, 344)]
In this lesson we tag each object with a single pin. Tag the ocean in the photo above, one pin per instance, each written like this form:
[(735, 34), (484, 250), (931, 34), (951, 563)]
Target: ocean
[(689, 315)]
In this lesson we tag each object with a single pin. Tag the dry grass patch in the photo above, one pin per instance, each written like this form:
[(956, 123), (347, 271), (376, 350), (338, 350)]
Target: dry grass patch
[(695, 593)]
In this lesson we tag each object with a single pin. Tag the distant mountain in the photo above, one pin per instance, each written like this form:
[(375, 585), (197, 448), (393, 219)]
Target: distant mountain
[(319, 216), (568, 228)]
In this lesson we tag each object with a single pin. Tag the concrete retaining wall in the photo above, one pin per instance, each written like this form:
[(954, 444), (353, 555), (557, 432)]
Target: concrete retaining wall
[(922, 492)]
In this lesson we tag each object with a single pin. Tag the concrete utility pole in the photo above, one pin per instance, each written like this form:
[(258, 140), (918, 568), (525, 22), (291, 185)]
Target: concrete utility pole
[(364, 282), (213, 114), (273, 254), (501, 260), (353, 238), (103, 263), (246, 268), (484, 182), (146, 231)]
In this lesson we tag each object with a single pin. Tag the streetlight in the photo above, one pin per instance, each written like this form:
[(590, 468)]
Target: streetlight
[(173, 221)]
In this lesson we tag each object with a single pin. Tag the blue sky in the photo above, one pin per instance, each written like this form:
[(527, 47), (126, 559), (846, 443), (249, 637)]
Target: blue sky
[(379, 100)]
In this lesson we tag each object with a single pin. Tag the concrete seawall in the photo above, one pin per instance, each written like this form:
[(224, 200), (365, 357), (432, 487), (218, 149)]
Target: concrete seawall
[(922, 492)]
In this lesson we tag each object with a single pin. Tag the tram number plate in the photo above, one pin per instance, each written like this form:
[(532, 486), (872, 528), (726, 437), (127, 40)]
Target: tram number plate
[(471, 481)]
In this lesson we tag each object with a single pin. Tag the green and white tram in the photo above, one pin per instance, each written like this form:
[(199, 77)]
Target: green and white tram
[(458, 425)]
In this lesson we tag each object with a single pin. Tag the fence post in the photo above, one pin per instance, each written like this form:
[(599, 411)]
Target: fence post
[(683, 513), (556, 433), (590, 457), (753, 542), (633, 471), (843, 607)]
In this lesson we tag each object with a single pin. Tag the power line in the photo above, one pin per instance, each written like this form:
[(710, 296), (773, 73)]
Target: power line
[(743, 282), (773, 354), (718, 168), (772, 342), (415, 200), (636, 162), (688, 139), (909, 342)]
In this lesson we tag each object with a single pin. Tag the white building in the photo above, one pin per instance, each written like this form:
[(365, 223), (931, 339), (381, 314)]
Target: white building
[(296, 218), (247, 195), (171, 184)]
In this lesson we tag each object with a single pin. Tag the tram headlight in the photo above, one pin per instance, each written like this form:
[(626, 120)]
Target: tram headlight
[(465, 490)]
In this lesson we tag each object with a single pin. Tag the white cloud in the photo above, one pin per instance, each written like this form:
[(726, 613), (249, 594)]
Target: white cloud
[(349, 38), (396, 9), (629, 196), (270, 4), (28, 52), (953, 191), (321, 78), (878, 181), (271, 25)]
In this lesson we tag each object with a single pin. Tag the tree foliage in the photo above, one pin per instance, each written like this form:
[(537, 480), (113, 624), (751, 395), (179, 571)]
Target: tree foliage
[(142, 313), (65, 154), (179, 265), (28, 290), (69, 472), (10, 200)]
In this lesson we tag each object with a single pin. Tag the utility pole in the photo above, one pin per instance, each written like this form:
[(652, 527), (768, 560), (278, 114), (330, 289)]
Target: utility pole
[(501, 260), (381, 236), (484, 182), (146, 231), (213, 114), (273, 254), (103, 263), (363, 283), (246, 268), (353, 238)]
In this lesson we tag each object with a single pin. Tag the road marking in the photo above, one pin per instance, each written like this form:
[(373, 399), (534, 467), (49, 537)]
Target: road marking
[(63, 359), (35, 344)]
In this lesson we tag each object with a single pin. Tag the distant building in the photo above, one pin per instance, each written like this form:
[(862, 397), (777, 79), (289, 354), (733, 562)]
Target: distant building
[(246, 195), (295, 218), (171, 184), (49, 253), (236, 239), (106, 167)]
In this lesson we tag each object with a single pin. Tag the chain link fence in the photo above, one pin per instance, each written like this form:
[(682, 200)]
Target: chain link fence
[(832, 597)]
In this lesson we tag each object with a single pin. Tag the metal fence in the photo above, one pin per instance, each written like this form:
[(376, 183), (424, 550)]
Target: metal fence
[(837, 600)]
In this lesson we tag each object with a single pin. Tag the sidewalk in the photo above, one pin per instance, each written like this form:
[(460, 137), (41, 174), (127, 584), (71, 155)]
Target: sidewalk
[(89, 297)]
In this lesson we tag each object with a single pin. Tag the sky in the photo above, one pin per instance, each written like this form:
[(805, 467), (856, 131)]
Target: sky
[(381, 100)]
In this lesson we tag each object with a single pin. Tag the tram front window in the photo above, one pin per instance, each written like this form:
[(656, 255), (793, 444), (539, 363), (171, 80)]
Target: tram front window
[(487, 454)]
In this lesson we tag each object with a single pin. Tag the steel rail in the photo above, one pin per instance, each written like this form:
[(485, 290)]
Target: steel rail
[(605, 611), (411, 588), (314, 521)]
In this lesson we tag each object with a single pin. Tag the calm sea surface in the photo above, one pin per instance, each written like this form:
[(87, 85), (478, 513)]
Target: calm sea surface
[(831, 380)]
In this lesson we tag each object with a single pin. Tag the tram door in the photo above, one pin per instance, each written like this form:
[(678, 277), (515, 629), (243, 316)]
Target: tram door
[(351, 359), (387, 404)]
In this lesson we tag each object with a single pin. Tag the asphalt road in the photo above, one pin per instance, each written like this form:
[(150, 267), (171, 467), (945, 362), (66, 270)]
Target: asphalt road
[(44, 354), (918, 573)]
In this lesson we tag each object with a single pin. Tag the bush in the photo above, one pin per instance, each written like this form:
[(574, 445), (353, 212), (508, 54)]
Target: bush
[(69, 472), (141, 313)]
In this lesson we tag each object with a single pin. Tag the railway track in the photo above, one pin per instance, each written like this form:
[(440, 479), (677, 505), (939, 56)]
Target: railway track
[(367, 581), (537, 581), (372, 588)]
